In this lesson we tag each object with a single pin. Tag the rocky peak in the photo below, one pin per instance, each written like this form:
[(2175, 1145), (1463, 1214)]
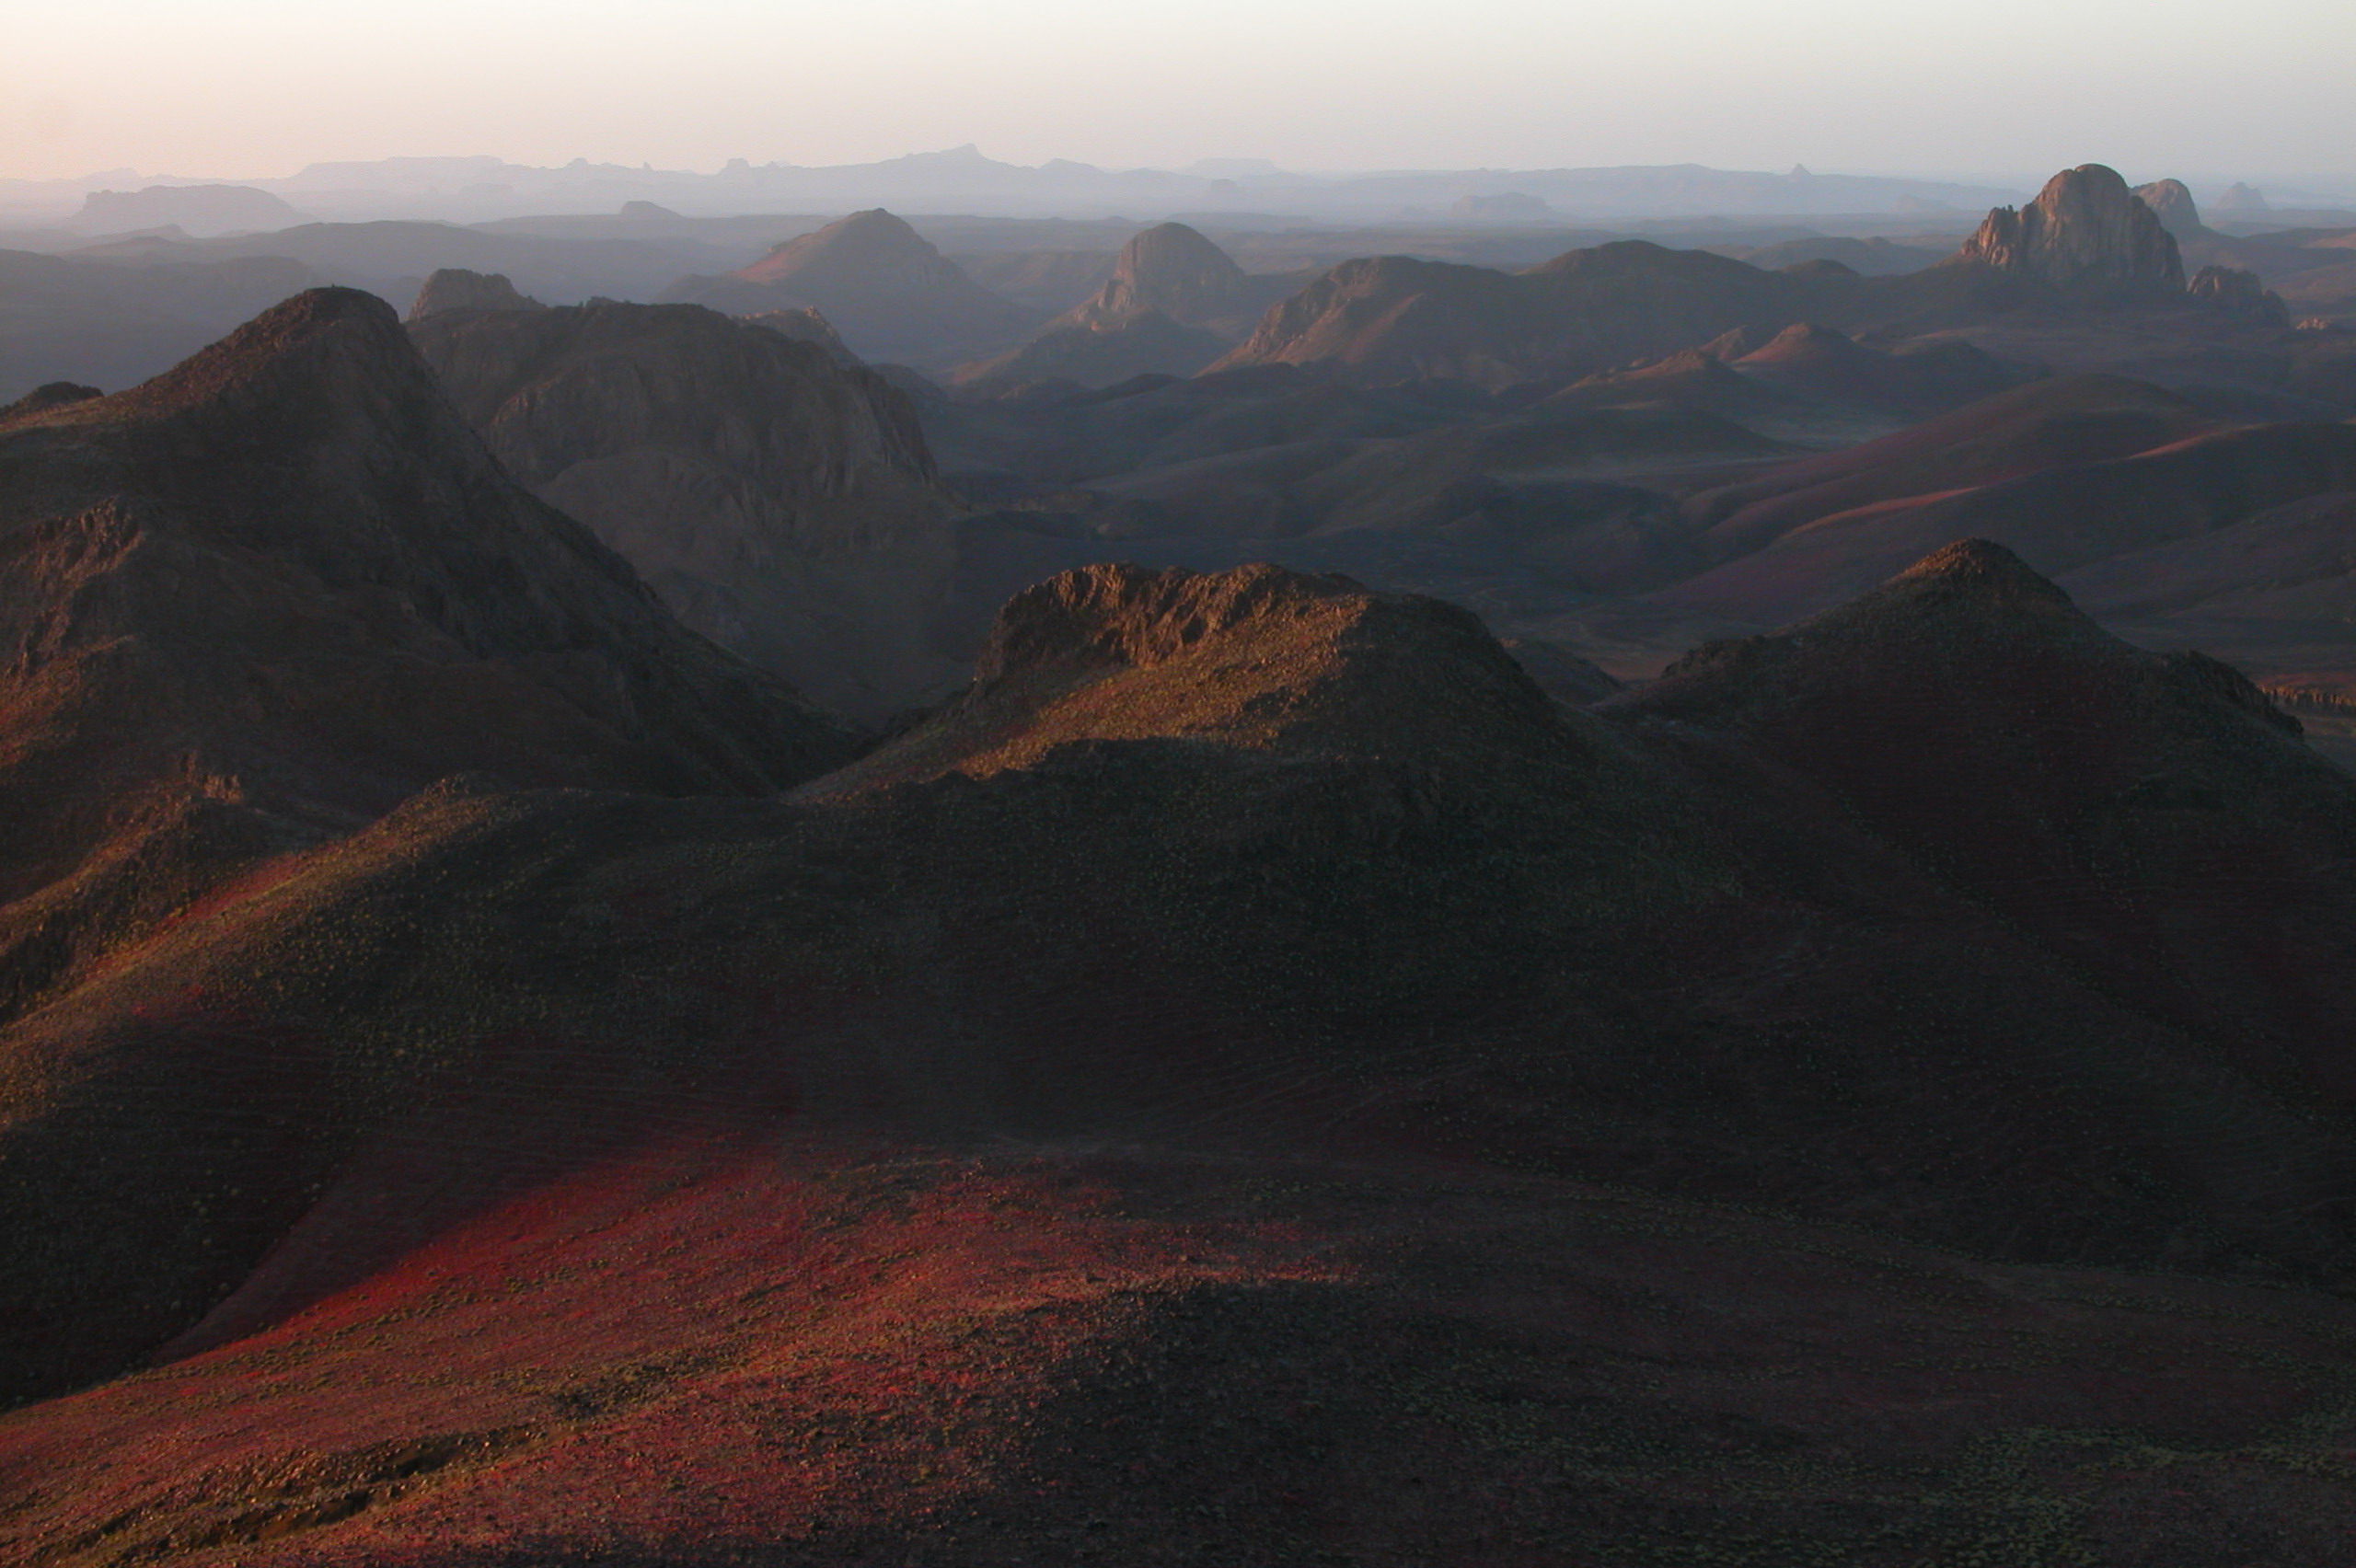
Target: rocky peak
[(456, 288), (1980, 569), (1119, 614), (2172, 203), (2085, 229), (1173, 269), (2239, 292)]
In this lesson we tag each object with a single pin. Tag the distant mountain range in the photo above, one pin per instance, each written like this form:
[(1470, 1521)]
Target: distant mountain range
[(963, 180)]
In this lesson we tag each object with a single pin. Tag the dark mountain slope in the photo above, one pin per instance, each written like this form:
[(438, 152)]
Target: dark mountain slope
[(2149, 818), (2064, 419), (275, 590), (783, 504), (2060, 518)]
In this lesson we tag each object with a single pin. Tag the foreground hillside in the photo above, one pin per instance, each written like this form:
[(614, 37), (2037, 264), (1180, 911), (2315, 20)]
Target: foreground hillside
[(1255, 1079)]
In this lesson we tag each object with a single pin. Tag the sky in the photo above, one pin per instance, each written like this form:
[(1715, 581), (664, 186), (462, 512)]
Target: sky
[(2009, 88)]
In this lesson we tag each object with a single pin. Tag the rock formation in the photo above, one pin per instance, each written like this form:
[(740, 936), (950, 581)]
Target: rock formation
[(781, 501), (2172, 203), (456, 288), (2086, 231), (2238, 292)]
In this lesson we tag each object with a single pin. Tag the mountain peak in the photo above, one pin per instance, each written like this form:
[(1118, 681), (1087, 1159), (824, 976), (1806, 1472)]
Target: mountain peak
[(1115, 613), (1980, 568), (306, 352), (456, 288), (2172, 203), (1173, 269), (2085, 229), (874, 245)]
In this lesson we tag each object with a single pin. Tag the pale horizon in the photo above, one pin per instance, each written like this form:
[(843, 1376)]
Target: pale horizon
[(257, 89)]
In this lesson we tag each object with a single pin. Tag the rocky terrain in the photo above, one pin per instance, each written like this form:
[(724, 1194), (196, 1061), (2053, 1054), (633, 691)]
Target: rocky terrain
[(795, 1115), (1648, 911)]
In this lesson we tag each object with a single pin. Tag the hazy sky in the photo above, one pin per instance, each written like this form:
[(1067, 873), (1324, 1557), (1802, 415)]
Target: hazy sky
[(258, 88)]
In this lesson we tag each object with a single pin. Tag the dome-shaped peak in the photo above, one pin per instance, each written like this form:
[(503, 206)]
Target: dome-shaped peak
[(2086, 228), (1173, 269), (870, 246), (2172, 203)]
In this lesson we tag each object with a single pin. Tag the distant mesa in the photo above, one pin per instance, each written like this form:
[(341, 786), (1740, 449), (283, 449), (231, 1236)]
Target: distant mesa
[(1507, 207), (456, 288), (646, 209), (2172, 203), (199, 209), (2086, 230), (2239, 198)]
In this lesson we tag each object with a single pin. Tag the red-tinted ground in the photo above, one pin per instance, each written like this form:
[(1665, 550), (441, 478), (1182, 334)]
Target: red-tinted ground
[(789, 1350)]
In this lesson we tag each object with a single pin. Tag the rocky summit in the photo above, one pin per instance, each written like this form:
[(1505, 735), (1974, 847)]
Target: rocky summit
[(2086, 230), (456, 288)]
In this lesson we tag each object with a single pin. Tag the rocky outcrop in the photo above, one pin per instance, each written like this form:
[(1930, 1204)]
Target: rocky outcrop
[(2172, 203), (781, 501), (456, 288), (2085, 231), (2238, 292)]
